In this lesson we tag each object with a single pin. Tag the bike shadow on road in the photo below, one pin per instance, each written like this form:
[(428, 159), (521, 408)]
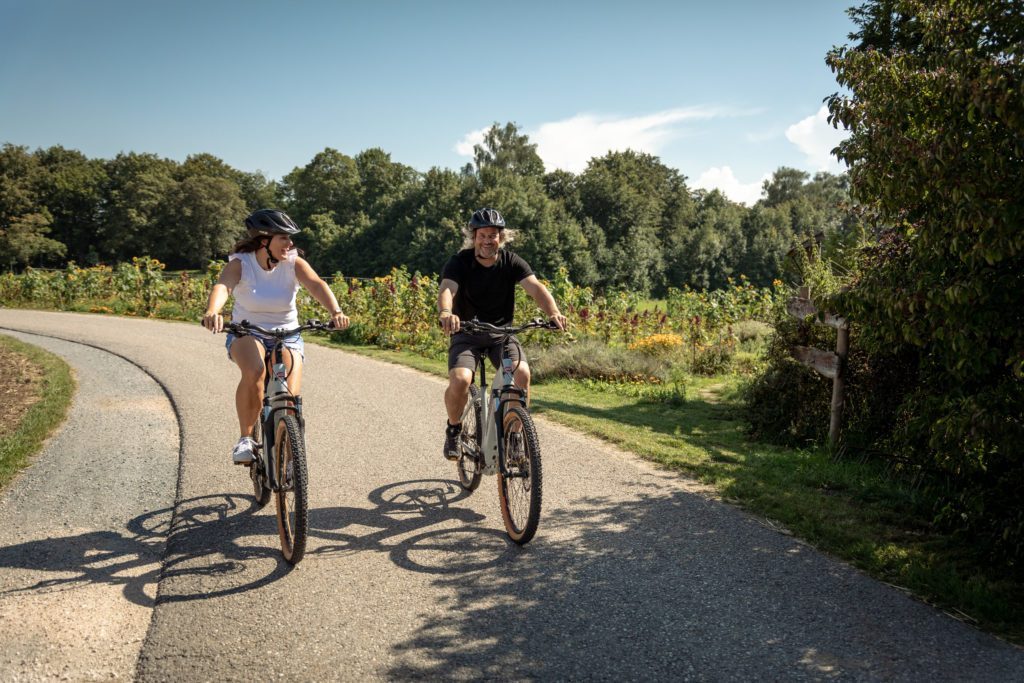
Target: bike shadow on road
[(215, 537), (419, 524), (220, 542)]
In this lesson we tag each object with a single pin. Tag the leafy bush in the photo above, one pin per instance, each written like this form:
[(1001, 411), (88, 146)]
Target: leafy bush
[(935, 115)]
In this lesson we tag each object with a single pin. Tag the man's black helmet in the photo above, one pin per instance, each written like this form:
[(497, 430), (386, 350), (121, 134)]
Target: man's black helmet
[(487, 218), (270, 222)]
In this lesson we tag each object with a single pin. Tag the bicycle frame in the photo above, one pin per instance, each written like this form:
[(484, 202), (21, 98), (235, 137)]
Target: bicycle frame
[(276, 399), (503, 390)]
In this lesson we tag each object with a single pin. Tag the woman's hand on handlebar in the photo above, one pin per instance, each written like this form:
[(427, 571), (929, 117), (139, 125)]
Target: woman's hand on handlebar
[(450, 322), (214, 322), (339, 321), (559, 321)]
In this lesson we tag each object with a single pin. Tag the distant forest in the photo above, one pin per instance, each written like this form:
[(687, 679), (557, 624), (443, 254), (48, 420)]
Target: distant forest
[(626, 222)]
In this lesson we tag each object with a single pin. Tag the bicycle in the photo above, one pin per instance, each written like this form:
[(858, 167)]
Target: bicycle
[(279, 466), (498, 437)]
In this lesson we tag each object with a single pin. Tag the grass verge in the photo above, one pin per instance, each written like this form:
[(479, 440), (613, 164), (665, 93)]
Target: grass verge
[(55, 391), (853, 510)]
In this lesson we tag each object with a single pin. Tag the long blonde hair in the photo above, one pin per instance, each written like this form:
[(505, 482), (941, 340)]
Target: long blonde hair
[(507, 235)]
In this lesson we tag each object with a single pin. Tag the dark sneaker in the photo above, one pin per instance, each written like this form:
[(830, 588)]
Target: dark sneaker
[(451, 441)]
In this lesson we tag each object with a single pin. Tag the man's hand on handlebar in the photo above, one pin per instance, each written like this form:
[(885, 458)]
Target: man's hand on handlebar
[(214, 322), (450, 322), (559, 321)]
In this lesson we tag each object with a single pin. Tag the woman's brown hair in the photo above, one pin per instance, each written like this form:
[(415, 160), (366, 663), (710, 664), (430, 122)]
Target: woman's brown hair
[(253, 243)]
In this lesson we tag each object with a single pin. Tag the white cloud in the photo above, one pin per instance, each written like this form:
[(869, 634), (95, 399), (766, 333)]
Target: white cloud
[(723, 179), (570, 143), (815, 137), (464, 147)]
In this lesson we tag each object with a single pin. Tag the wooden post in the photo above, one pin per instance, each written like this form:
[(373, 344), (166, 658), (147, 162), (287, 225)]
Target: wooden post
[(839, 385)]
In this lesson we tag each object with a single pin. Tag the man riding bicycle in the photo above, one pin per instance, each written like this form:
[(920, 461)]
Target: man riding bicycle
[(479, 282)]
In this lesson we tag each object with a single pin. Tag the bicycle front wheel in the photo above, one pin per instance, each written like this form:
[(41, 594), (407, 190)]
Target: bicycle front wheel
[(292, 504), (469, 464), (519, 479)]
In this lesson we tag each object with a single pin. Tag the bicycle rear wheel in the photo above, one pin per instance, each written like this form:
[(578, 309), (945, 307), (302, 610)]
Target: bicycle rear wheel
[(468, 464), (520, 480), (260, 490), (292, 504)]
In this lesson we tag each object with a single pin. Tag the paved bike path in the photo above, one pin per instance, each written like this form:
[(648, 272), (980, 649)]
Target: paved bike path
[(632, 575)]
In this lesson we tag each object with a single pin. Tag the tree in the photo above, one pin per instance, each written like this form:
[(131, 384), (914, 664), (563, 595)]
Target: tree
[(639, 204), (204, 217), (768, 234), (505, 149), (429, 227), (133, 220), (706, 255), (70, 186), (329, 184), (935, 152), (24, 224)]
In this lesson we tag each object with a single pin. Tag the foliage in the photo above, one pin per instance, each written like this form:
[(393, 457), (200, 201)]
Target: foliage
[(936, 114), (592, 359), (24, 223), (657, 344)]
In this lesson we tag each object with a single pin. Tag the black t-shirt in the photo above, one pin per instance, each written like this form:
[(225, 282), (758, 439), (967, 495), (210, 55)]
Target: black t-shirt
[(486, 293)]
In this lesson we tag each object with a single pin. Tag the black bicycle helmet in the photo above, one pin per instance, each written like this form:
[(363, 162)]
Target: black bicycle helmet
[(487, 218), (270, 222)]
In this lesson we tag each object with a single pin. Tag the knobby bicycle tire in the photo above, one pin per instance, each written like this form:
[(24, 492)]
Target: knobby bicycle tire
[(260, 490), (292, 502), (520, 496), (469, 467)]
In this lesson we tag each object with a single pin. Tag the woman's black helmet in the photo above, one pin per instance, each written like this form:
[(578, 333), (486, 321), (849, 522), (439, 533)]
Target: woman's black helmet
[(270, 222), (487, 218)]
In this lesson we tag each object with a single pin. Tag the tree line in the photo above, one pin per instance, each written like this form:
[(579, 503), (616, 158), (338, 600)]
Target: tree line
[(626, 222)]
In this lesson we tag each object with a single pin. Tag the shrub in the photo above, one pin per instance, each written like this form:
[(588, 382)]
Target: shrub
[(752, 335), (592, 359)]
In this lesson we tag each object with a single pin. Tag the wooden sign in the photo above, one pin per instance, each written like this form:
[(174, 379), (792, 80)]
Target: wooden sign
[(801, 308), (825, 362)]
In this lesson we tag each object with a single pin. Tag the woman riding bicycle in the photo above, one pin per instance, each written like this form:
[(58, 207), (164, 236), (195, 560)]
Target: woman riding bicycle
[(264, 274)]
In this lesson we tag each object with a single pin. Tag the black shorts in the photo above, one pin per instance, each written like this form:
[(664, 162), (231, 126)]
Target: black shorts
[(466, 348)]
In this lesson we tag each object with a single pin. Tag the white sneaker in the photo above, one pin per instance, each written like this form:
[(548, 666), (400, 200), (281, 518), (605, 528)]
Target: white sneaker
[(242, 453)]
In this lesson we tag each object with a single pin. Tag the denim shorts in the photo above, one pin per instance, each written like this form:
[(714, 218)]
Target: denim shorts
[(293, 342)]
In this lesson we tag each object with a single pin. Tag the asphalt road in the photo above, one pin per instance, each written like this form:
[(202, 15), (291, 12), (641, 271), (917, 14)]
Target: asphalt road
[(634, 574)]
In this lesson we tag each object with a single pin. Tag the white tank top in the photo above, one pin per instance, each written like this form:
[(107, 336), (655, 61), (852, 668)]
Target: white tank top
[(266, 297)]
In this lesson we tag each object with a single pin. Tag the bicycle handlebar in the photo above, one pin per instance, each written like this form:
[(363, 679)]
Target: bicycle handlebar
[(478, 326), (245, 327)]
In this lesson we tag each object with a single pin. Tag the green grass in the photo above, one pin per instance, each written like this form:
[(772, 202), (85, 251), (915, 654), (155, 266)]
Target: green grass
[(853, 510), (56, 391)]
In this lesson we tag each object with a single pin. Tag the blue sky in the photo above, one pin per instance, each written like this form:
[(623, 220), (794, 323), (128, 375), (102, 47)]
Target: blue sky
[(724, 91)]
